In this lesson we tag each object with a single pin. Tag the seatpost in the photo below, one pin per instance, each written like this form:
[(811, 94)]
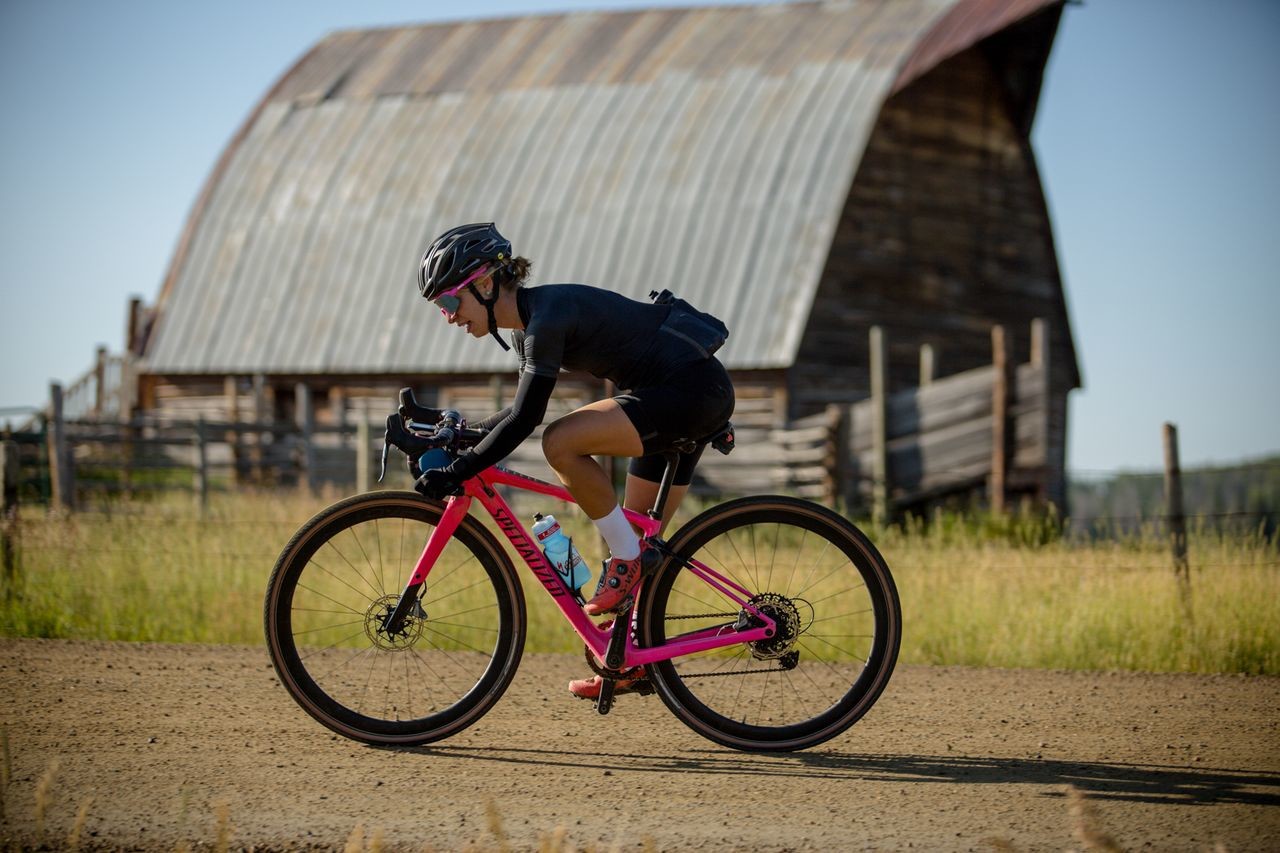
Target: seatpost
[(664, 488)]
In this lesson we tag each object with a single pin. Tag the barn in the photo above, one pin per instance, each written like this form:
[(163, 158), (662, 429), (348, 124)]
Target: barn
[(805, 171)]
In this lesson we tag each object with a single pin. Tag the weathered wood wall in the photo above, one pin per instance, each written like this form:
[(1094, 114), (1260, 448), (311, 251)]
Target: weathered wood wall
[(945, 234)]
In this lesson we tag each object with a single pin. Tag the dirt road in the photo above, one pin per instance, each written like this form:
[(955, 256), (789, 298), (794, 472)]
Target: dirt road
[(163, 738)]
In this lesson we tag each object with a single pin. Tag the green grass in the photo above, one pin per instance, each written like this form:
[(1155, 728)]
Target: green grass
[(974, 591)]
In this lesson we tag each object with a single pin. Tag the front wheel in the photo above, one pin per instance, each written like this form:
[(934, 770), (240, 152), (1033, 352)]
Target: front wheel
[(331, 591), (833, 599)]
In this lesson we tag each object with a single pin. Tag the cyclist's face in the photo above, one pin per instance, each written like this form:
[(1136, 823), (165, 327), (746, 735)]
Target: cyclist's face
[(470, 314)]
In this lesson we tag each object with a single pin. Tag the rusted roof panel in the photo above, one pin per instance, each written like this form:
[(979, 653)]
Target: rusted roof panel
[(966, 24), (705, 150)]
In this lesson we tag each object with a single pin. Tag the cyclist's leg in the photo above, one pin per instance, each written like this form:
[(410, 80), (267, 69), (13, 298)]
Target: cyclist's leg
[(600, 428), (642, 493), (644, 478), (570, 442)]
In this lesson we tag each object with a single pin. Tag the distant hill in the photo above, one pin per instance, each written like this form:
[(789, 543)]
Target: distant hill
[(1243, 496)]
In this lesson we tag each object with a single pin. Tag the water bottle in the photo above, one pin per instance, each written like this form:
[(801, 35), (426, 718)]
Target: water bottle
[(560, 552)]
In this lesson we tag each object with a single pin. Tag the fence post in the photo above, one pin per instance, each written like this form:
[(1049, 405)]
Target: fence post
[(99, 380), (1173, 504), (1050, 487), (879, 427), (363, 476), (306, 419), (9, 478), (61, 478), (201, 472), (834, 463), (928, 365), (128, 450), (259, 418), (231, 391), (1002, 384)]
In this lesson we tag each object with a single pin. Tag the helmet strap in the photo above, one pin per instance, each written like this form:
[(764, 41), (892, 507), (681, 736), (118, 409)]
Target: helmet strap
[(488, 306)]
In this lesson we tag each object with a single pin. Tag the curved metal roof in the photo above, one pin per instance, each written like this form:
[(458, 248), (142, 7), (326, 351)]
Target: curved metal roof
[(708, 150)]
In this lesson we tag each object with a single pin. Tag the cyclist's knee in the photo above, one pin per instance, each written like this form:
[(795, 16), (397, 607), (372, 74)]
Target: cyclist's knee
[(557, 442)]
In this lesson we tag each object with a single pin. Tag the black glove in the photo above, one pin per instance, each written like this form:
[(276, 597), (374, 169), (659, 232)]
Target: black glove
[(438, 483)]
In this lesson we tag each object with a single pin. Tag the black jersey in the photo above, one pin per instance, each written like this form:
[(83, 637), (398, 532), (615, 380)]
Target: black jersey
[(577, 327)]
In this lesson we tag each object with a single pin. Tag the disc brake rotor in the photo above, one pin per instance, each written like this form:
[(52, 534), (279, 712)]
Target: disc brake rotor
[(408, 635)]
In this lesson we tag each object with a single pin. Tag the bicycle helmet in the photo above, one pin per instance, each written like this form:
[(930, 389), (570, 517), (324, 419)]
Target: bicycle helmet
[(456, 254)]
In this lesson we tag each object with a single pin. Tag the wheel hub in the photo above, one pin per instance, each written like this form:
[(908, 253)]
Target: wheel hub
[(376, 617)]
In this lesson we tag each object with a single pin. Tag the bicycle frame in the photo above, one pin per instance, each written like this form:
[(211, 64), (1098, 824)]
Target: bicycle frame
[(481, 489)]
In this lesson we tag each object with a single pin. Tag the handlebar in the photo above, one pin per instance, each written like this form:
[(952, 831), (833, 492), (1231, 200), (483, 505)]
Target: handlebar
[(420, 428)]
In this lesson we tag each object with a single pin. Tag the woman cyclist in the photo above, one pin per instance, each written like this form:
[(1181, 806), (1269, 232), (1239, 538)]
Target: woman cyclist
[(674, 390)]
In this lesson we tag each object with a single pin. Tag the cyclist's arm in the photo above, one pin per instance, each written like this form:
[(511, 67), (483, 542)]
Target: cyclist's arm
[(515, 425), (541, 349)]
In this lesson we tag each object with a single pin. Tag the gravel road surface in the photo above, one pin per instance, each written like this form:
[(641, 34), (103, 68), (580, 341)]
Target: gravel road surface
[(160, 740)]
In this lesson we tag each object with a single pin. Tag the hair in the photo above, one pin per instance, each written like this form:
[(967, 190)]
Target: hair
[(512, 273)]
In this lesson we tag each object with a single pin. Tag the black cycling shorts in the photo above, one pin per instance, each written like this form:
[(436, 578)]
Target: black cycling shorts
[(693, 403)]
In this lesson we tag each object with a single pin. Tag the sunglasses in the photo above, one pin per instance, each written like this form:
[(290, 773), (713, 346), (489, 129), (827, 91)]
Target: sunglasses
[(449, 302)]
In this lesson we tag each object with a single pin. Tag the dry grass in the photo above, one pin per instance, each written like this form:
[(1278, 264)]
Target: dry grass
[(970, 595), (77, 829), (6, 770), (1085, 826), (44, 795)]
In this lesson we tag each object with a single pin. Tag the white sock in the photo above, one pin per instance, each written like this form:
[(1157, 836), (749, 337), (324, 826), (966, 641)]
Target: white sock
[(619, 534)]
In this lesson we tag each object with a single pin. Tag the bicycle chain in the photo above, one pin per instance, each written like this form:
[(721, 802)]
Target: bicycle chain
[(685, 677), (605, 674)]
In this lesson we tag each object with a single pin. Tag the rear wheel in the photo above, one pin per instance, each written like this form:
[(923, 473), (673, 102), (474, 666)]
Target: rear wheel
[(833, 599), (333, 587)]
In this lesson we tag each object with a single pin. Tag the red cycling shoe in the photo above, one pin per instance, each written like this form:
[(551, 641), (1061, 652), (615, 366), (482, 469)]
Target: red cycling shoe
[(589, 688), (617, 580)]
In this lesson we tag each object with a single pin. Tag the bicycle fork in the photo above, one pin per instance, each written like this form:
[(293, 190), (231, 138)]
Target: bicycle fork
[(455, 510)]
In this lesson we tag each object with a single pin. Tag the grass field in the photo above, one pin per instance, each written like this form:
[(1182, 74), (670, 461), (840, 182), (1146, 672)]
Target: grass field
[(1005, 595)]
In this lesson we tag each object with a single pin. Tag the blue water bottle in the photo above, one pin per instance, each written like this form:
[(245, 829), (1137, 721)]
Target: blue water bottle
[(560, 552)]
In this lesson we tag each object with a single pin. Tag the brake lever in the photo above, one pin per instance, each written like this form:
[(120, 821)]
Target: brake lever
[(382, 471)]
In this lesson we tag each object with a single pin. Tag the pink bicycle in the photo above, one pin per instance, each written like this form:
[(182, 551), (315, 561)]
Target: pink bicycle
[(767, 623)]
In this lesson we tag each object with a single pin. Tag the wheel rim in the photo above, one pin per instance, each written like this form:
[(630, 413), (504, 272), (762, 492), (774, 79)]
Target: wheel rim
[(817, 671), (347, 670)]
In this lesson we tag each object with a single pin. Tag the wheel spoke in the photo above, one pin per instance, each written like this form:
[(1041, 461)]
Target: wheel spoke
[(415, 685), (801, 685)]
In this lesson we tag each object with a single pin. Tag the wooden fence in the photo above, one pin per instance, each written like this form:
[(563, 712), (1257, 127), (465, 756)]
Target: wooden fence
[(986, 429)]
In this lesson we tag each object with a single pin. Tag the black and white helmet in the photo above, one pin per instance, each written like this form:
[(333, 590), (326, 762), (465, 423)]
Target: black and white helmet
[(457, 253)]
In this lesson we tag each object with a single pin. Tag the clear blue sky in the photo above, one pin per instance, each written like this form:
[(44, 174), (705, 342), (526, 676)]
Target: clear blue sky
[(1156, 137)]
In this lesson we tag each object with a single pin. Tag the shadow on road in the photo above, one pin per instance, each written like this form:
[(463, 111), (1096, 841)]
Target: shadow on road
[(1145, 783)]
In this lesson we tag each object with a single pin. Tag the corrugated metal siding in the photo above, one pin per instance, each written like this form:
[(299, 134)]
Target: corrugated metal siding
[(706, 150)]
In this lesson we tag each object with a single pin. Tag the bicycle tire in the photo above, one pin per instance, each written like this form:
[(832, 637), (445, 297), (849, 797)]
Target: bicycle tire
[(837, 608), (328, 594)]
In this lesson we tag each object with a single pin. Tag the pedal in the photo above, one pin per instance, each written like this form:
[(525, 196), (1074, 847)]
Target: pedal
[(604, 702)]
